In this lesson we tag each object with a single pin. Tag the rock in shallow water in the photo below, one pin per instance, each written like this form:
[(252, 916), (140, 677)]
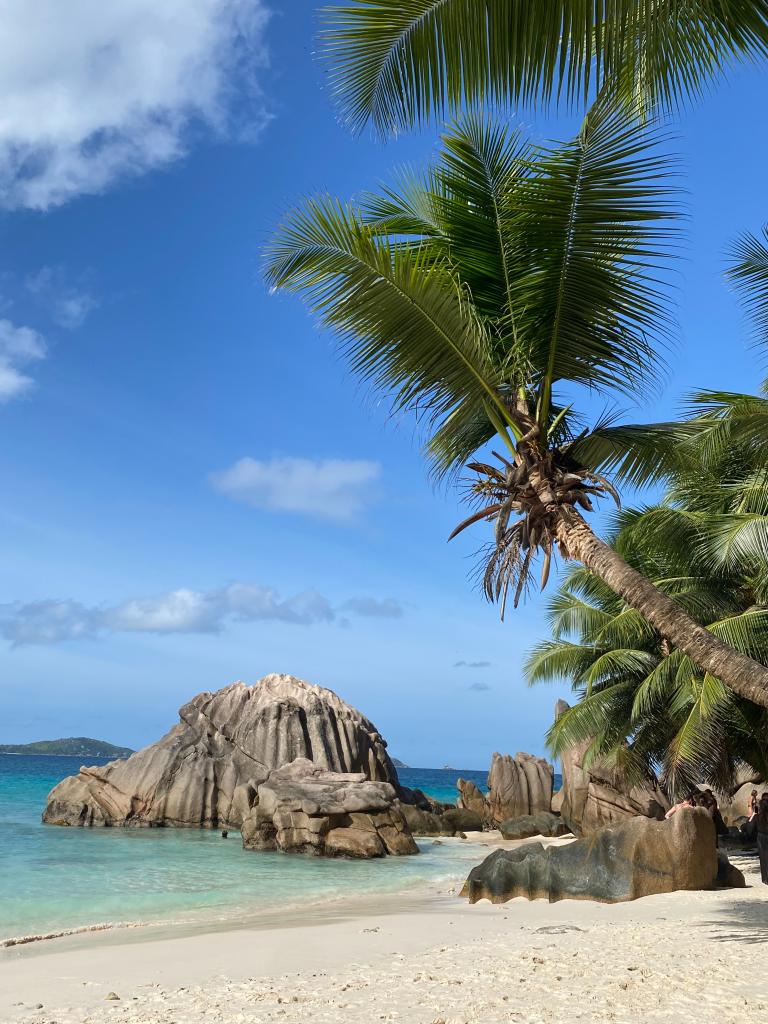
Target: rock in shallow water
[(302, 808), (614, 864), (224, 741)]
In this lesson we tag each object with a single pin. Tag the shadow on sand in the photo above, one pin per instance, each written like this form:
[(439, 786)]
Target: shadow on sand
[(745, 921)]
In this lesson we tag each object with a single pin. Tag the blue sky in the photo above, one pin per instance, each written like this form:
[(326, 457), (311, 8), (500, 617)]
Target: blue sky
[(194, 488)]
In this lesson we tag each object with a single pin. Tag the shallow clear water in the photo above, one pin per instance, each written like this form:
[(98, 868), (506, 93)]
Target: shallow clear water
[(53, 878)]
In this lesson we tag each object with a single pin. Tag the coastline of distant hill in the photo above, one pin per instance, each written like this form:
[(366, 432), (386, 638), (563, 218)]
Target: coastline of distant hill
[(398, 763), (72, 746)]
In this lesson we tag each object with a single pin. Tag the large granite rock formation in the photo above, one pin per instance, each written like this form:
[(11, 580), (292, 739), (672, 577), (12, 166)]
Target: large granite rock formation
[(517, 786), (596, 796), (305, 809), (637, 858), (224, 740)]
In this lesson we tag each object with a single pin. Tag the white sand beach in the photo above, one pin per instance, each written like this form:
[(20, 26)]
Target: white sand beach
[(694, 956)]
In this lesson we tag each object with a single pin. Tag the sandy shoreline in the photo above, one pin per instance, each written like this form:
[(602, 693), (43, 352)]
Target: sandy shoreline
[(682, 956)]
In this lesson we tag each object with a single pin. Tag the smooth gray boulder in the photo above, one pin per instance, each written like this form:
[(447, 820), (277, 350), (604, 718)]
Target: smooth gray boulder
[(517, 786), (640, 857), (302, 808), (224, 743)]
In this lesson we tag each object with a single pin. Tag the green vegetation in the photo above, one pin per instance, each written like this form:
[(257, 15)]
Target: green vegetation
[(398, 63), (485, 294), (643, 706), (73, 746), (481, 293)]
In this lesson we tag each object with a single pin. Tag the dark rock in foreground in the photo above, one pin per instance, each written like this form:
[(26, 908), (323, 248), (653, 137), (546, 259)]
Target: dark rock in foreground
[(224, 740), (544, 824), (614, 864), (304, 809)]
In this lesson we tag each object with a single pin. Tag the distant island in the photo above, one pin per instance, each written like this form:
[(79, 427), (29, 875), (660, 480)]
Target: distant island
[(73, 746), (397, 763)]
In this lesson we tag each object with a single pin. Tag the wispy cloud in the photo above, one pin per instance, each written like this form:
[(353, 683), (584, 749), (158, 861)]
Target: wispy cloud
[(19, 346), (471, 664), (374, 608), (178, 611), (95, 91), (335, 489), (66, 303), (479, 687)]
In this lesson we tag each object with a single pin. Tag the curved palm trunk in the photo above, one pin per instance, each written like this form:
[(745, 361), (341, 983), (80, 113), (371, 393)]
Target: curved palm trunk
[(741, 674)]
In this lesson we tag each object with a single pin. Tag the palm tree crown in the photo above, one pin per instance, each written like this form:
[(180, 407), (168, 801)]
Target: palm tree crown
[(481, 296)]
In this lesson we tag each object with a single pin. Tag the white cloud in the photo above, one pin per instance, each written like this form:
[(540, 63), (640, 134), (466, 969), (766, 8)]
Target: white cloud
[(94, 90), (47, 622), (176, 611), (479, 687), (335, 489), (68, 305), (18, 346), (471, 664)]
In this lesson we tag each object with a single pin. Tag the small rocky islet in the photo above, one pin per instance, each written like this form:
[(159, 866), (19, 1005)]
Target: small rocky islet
[(299, 770)]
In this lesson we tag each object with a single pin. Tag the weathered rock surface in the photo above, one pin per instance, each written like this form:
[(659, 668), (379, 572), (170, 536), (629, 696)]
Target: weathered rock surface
[(302, 808), (616, 863), (471, 798), (517, 786), (728, 875), (224, 741), (596, 796), (440, 820), (543, 824)]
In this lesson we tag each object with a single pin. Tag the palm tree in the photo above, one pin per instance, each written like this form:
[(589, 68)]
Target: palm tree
[(399, 62), (476, 294), (643, 707)]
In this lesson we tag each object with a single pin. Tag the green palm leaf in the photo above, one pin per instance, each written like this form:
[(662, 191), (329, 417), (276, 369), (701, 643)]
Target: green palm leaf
[(749, 271), (405, 321), (401, 62)]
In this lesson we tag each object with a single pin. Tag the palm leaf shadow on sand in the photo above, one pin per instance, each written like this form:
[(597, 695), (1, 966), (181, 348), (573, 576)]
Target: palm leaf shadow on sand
[(743, 922)]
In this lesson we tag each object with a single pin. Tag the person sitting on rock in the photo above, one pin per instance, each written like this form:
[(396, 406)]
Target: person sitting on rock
[(762, 836), (690, 801)]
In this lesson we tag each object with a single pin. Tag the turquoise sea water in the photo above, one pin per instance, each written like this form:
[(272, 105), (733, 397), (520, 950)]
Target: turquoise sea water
[(54, 878)]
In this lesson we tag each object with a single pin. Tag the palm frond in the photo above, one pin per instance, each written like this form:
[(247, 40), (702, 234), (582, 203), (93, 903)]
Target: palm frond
[(552, 660), (400, 62), (749, 271), (407, 329), (594, 227)]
